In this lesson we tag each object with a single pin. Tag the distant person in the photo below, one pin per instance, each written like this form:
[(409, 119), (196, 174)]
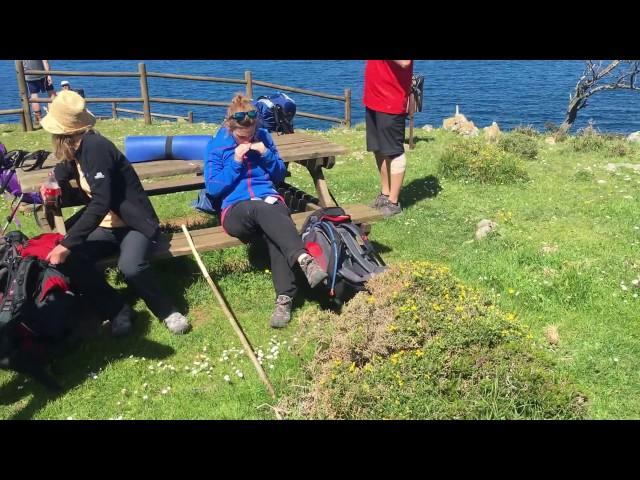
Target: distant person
[(65, 85), (38, 83), (387, 84)]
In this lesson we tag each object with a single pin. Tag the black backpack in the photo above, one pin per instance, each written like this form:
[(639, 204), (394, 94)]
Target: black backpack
[(36, 308), (342, 250), (417, 90)]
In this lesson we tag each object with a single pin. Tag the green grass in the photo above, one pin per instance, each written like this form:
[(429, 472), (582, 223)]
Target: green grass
[(567, 239)]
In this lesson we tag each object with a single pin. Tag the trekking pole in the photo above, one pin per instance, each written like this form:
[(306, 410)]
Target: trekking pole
[(234, 323), (12, 215)]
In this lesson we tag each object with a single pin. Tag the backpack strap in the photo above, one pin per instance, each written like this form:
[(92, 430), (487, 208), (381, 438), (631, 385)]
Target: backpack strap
[(39, 155), (15, 291), (348, 233), (331, 233)]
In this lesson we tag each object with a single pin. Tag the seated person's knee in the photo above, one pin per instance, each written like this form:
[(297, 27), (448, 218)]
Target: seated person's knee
[(130, 269)]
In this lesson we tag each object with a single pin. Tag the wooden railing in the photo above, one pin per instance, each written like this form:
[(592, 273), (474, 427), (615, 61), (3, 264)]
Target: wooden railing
[(115, 109), (146, 100), (14, 111)]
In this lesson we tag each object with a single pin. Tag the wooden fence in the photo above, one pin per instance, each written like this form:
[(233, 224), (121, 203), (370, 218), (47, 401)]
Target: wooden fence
[(147, 100)]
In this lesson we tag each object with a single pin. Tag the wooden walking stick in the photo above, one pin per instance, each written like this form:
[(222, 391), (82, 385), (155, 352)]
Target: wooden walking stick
[(231, 317)]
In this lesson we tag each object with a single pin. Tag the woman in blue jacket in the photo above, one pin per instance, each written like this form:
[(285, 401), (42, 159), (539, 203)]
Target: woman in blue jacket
[(242, 167)]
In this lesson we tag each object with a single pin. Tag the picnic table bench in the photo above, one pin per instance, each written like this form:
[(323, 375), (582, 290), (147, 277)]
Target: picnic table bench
[(315, 153)]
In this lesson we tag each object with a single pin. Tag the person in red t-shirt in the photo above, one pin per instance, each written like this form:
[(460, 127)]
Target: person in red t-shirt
[(387, 84)]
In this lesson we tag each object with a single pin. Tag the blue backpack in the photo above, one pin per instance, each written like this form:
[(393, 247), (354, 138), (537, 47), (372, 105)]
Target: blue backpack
[(276, 112)]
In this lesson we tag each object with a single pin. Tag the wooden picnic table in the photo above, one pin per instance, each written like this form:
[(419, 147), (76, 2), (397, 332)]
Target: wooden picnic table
[(169, 176), (158, 177)]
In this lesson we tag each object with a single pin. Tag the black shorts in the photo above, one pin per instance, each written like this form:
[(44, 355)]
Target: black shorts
[(37, 86), (385, 133)]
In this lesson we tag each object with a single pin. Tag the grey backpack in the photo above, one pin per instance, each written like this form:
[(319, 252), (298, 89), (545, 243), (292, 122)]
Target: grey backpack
[(342, 250)]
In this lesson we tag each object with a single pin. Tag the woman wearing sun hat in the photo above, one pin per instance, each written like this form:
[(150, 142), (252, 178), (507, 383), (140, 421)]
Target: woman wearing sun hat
[(118, 215)]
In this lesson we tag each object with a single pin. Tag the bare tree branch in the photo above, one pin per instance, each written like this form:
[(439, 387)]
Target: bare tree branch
[(595, 79)]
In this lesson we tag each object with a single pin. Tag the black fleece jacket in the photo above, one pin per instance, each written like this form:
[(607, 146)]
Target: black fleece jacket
[(114, 186)]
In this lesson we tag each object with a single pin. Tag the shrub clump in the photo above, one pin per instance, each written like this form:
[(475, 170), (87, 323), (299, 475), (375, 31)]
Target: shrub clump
[(521, 144), (584, 175), (527, 130), (421, 345), (590, 141), (477, 161)]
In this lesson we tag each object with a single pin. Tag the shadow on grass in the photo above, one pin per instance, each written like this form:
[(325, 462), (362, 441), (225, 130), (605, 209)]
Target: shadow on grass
[(90, 351), (419, 189), (380, 247), (417, 139), (178, 274)]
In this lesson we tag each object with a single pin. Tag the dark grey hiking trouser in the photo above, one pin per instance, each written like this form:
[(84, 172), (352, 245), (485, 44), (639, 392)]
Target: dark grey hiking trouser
[(250, 219), (133, 247)]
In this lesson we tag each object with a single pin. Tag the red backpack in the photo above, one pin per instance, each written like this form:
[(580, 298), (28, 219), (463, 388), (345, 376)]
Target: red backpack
[(36, 304)]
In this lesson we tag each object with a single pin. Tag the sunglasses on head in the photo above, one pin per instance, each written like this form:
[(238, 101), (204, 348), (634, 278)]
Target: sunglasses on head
[(240, 116)]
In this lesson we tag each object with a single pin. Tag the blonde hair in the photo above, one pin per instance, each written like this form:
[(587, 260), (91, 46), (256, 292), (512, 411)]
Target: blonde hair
[(240, 103), (66, 146)]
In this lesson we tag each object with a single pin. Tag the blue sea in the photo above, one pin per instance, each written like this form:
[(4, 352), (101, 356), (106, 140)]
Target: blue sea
[(509, 92)]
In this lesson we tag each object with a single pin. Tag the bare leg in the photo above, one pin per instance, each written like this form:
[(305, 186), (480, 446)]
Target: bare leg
[(383, 168), (396, 186), (36, 107)]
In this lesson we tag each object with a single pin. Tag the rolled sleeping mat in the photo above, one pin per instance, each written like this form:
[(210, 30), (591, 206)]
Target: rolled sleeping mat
[(180, 147)]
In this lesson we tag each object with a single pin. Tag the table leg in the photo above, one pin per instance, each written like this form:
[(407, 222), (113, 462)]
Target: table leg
[(55, 219), (315, 169)]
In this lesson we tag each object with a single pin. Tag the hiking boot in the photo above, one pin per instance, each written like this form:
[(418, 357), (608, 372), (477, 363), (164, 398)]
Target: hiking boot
[(380, 200), (177, 323), (121, 324), (282, 314), (314, 272), (390, 209)]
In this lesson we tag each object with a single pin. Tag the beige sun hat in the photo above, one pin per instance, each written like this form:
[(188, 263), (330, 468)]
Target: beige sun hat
[(67, 114)]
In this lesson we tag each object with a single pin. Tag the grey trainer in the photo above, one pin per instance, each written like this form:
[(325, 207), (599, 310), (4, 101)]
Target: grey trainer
[(282, 314), (314, 272), (121, 324), (177, 323), (380, 200), (390, 209)]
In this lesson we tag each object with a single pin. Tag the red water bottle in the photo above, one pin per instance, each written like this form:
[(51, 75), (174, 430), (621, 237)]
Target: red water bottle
[(52, 191)]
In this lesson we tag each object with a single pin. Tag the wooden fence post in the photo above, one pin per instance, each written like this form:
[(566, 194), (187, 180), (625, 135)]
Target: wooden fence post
[(24, 96), (114, 110), (249, 79), (190, 116), (144, 93), (347, 107)]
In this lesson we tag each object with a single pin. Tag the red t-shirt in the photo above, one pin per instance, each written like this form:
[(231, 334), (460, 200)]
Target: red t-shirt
[(387, 86)]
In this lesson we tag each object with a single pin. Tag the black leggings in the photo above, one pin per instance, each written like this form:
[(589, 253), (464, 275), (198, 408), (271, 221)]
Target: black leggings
[(249, 219), (133, 247)]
